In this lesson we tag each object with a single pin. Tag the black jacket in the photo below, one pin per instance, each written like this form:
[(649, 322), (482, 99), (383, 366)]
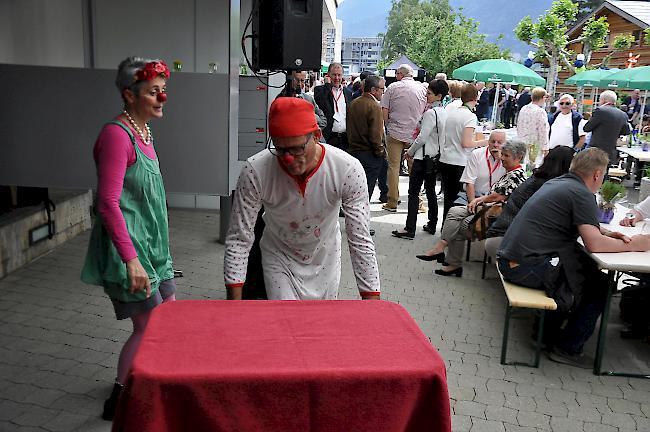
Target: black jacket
[(325, 100), (607, 123), (483, 104), (524, 99)]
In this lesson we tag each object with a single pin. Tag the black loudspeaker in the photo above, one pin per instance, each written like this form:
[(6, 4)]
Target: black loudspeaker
[(287, 34)]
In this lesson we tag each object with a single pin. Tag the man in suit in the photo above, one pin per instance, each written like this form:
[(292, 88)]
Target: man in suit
[(298, 83), (333, 99), (632, 103), (607, 123)]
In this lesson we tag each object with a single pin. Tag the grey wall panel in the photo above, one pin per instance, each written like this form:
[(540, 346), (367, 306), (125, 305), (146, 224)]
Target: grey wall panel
[(51, 118), (163, 29), (212, 22), (252, 126), (42, 32)]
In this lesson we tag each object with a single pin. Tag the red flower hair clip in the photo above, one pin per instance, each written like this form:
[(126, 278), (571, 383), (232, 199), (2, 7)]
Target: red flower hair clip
[(152, 70)]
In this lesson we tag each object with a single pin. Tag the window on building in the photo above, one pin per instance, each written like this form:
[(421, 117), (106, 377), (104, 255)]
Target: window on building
[(637, 37)]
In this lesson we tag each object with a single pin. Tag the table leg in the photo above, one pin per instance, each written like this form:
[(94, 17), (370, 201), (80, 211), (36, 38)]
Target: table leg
[(602, 335), (638, 173)]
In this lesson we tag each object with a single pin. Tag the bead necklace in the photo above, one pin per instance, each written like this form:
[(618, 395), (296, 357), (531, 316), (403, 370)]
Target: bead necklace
[(147, 141)]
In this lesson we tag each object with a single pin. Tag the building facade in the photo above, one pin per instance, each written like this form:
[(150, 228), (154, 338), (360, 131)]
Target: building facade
[(624, 17), (361, 54), (332, 42)]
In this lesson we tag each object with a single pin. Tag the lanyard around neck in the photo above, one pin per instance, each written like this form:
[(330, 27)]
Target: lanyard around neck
[(337, 98), (489, 164)]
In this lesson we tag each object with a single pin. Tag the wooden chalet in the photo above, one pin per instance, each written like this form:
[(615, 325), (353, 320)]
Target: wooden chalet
[(624, 17)]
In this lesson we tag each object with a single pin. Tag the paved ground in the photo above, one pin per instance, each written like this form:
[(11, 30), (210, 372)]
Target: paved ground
[(59, 340)]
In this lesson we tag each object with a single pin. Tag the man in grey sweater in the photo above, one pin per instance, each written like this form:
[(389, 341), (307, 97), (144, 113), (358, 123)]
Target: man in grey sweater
[(607, 123)]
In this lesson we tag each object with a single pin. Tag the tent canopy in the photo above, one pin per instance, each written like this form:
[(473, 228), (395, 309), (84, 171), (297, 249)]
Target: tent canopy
[(403, 60)]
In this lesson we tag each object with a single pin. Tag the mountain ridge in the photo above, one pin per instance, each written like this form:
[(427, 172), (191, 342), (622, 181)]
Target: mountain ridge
[(367, 18)]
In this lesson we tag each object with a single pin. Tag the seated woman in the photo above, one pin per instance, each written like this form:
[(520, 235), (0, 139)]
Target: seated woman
[(556, 163), (456, 224)]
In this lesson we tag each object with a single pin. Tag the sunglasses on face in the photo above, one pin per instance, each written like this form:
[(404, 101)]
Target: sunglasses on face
[(565, 103)]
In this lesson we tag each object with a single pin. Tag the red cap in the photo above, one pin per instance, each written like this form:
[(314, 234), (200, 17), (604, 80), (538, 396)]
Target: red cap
[(291, 117)]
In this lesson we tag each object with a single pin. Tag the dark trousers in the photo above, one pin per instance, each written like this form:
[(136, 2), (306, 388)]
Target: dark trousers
[(418, 176), (450, 175), (582, 317), (254, 287), (506, 116), (382, 180), (338, 140), (371, 165)]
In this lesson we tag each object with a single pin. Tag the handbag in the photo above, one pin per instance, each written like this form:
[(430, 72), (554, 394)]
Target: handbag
[(483, 218)]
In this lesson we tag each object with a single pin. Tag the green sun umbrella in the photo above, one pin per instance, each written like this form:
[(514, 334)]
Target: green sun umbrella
[(591, 77), (498, 71), (633, 78)]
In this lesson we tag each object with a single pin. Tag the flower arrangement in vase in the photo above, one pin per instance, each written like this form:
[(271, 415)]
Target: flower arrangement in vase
[(610, 193)]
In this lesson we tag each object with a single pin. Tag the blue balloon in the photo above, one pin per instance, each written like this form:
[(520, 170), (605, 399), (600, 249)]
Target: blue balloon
[(528, 62)]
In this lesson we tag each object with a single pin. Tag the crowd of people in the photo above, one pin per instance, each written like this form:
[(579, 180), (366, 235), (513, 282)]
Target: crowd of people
[(328, 149)]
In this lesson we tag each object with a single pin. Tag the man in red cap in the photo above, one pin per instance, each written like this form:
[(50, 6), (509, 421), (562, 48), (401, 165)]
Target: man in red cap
[(302, 184)]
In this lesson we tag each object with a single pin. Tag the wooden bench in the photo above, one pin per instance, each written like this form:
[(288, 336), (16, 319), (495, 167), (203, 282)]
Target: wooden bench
[(529, 298)]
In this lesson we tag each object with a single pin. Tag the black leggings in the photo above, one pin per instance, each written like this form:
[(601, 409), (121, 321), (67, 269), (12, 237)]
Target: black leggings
[(450, 175)]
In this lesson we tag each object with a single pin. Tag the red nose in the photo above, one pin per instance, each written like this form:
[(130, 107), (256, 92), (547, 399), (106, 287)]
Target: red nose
[(287, 158), (162, 97)]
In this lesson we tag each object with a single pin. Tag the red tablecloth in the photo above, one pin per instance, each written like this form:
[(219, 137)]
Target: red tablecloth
[(284, 366)]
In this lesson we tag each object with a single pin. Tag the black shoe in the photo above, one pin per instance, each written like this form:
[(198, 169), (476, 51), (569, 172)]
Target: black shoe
[(383, 199), (456, 272), (440, 257), (372, 232), (578, 360), (404, 235), (111, 403), (428, 228), (341, 213)]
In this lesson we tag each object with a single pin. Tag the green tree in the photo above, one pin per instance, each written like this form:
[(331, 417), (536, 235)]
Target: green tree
[(585, 7), (549, 36), (434, 37)]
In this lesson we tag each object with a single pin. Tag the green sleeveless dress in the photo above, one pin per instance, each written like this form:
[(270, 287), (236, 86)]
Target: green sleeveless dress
[(143, 205)]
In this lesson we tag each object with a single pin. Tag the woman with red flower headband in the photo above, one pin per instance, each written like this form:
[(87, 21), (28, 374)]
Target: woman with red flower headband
[(128, 254)]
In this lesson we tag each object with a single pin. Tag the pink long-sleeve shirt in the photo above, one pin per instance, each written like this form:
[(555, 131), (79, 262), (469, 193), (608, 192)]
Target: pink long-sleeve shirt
[(114, 153)]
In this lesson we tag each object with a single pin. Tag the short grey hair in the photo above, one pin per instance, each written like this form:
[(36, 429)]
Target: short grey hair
[(495, 131), (441, 76), (405, 69), (334, 65), (515, 146), (608, 96), (567, 96), (125, 79)]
